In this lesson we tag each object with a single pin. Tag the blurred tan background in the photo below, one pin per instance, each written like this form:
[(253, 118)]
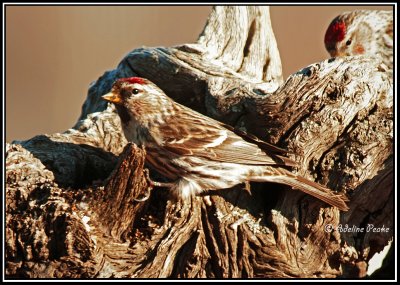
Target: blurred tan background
[(53, 53)]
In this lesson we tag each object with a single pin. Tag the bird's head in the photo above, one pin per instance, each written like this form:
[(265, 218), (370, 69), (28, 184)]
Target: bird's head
[(347, 35), (137, 98)]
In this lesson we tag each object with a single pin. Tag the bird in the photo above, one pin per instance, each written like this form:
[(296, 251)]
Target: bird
[(362, 32), (197, 153)]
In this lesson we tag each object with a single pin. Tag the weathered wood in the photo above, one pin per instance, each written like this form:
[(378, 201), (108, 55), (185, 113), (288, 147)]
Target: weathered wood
[(115, 206), (68, 214)]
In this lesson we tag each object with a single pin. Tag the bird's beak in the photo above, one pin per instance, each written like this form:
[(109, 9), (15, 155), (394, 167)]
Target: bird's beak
[(334, 53), (112, 97)]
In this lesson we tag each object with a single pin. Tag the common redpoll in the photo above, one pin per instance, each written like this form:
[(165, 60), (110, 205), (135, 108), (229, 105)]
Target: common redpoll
[(368, 32), (198, 153)]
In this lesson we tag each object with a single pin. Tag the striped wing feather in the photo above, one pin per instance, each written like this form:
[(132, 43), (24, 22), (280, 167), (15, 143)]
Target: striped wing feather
[(202, 136)]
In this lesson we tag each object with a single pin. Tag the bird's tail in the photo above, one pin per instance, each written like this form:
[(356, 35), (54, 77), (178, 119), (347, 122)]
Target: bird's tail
[(309, 187)]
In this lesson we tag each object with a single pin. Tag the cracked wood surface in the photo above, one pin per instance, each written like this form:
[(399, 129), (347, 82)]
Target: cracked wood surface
[(70, 209)]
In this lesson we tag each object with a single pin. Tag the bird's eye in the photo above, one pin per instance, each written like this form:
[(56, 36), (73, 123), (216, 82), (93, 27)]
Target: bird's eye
[(348, 42), (135, 91)]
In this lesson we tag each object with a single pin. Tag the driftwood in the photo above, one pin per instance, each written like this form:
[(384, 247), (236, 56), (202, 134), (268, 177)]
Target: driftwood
[(70, 208)]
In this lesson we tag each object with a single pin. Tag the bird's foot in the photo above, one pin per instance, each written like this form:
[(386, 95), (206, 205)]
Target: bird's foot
[(151, 185), (145, 197), (247, 187)]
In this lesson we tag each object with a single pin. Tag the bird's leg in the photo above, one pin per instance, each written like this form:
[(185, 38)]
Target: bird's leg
[(156, 183), (152, 184)]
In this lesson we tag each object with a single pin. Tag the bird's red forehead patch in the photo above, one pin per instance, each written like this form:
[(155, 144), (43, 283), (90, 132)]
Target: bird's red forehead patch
[(335, 32), (132, 80)]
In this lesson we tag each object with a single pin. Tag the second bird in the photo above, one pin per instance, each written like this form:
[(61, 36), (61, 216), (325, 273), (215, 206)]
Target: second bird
[(362, 32)]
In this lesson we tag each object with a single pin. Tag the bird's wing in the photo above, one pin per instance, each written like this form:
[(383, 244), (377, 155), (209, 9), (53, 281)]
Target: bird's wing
[(198, 135)]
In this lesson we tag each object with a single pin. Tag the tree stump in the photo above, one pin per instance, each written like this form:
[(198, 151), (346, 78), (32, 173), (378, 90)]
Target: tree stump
[(70, 197)]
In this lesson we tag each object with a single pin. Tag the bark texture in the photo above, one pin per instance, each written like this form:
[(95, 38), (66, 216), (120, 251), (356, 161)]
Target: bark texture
[(70, 197)]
